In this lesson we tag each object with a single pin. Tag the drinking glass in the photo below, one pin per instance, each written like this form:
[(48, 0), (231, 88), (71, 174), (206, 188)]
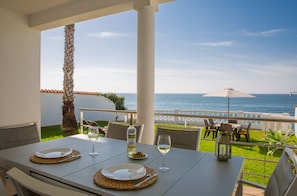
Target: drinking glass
[(93, 134), (164, 144)]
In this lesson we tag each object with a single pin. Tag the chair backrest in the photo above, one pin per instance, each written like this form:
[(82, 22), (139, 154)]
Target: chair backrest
[(3, 191), (26, 185), (206, 123), (18, 135), (283, 176), (187, 138), (232, 121), (292, 190), (118, 130), (226, 128), (211, 122), (248, 127)]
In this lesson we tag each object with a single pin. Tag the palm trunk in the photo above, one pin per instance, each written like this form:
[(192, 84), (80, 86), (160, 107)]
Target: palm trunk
[(69, 124)]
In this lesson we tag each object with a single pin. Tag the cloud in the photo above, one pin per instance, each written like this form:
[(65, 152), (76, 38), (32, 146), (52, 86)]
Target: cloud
[(216, 44), (106, 35), (267, 33)]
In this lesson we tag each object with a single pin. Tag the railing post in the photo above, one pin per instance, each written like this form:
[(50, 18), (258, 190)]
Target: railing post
[(81, 121), (240, 114), (295, 127)]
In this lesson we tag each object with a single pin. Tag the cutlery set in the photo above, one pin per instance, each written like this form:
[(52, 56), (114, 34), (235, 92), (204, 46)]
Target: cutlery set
[(68, 158), (147, 178)]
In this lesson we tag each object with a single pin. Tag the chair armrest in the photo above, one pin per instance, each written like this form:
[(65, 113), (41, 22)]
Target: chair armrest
[(239, 190), (253, 184)]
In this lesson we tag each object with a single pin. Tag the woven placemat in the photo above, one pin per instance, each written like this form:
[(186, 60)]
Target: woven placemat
[(104, 182), (65, 159)]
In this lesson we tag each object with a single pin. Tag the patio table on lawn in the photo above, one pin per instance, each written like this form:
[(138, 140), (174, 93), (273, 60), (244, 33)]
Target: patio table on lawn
[(235, 128)]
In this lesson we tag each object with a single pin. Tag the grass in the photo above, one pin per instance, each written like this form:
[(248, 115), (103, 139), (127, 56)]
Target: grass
[(250, 166)]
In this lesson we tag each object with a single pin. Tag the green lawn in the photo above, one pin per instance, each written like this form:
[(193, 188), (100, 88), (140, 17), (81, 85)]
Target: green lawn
[(255, 152)]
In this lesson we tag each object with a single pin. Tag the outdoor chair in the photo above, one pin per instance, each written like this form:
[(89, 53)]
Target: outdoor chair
[(292, 190), (118, 130), (187, 138), (27, 185), (210, 128), (232, 121), (283, 180), (16, 135), (244, 131), (3, 191), (88, 123), (227, 128)]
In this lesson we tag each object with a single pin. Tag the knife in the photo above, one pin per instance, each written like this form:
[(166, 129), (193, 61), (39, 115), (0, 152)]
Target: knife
[(146, 179), (69, 157)]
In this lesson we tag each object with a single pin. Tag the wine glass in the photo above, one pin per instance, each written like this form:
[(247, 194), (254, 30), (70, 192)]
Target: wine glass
[(93, 134), (164, 144)]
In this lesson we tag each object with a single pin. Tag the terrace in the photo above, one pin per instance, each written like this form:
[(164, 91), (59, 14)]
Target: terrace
[(22, 23)]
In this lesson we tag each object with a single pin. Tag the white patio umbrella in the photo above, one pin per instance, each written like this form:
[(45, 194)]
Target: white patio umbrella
[(228, 93)]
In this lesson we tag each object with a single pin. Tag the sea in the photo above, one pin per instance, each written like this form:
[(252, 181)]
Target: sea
[(263, 103)]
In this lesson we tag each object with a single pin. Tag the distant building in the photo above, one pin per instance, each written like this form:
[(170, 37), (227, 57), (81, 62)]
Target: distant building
[(51, 106)]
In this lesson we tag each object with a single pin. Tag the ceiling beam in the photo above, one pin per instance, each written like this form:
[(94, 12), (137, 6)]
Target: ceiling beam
[(77, 11)]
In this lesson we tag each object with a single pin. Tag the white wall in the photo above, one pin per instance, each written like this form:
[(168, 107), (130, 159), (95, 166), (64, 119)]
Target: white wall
[(19, 70), (51, 108)]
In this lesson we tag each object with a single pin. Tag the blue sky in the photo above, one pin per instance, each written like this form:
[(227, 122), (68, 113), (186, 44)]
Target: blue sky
[(200, 46)]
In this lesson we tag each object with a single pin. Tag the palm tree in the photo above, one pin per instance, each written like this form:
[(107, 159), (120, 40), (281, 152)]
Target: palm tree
[(69, 124)]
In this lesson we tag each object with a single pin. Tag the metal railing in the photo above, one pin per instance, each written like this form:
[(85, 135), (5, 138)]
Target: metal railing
[(195, 118), (263, 121)]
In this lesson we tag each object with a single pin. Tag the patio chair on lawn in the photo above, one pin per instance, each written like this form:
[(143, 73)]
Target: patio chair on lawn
[(232, 121), (213, 126), (187, 138), (87, 123), (27, 185), (283, 180), (227, 128), (244, 131), (210, 129), (118, 130)]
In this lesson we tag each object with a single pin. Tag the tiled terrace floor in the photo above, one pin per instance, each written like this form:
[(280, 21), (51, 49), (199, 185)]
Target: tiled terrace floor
[(251, 191)]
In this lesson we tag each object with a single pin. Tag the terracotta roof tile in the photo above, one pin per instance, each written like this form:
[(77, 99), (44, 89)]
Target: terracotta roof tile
[(75, 92)]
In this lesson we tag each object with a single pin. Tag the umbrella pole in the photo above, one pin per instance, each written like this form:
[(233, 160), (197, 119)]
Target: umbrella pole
[(228, 105)]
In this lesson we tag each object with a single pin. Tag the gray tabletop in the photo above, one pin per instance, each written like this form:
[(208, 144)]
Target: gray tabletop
[(191, 172)]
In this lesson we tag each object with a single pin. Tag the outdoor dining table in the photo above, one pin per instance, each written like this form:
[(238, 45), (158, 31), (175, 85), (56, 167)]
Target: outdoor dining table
[(191, 172), (235, 126)]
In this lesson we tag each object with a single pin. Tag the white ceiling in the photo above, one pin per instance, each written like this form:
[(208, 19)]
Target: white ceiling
[(30, 7), (46, 14)]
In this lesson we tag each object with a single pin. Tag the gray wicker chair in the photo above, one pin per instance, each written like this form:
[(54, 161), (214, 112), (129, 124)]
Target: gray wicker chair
[(27, 185), (187, 138), (283, 180), (117, 130)]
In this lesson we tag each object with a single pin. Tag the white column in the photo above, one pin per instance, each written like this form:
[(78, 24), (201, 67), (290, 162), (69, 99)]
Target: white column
[(146, 66)]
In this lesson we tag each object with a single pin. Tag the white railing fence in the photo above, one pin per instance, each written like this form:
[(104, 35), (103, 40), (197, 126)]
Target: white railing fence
[(273, 121)]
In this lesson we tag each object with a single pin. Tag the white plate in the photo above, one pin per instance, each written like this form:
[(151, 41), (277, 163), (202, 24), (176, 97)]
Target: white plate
[(124, 172), (54, 153), (145, 156)]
